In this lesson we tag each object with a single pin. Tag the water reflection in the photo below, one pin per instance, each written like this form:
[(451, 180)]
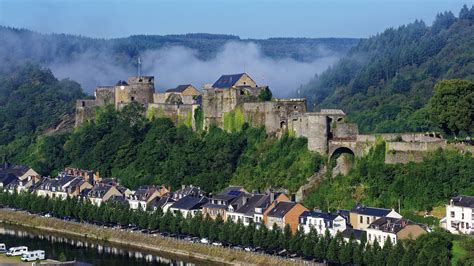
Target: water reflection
[(86, 250)]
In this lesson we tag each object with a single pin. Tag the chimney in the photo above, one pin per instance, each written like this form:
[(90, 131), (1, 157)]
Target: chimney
[(293, 197), (272, 197)]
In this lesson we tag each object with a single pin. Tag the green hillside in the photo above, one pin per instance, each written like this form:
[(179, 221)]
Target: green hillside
[(384, 82)]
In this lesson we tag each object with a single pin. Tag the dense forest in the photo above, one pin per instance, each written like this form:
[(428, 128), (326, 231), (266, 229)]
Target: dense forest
[(22, 44), (385, 82)]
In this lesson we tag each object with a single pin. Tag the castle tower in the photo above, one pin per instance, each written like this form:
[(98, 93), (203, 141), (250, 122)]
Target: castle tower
[(138, 89)]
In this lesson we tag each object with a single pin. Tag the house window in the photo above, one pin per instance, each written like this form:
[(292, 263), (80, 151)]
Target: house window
[(133, 98), (361, 219), (462, 215), (370, 236), (368, 220), (452, 214), (462, 225)]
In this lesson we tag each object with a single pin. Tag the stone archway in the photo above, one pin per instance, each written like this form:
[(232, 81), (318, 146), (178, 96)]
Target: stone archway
[(342, 164), (341, 150)]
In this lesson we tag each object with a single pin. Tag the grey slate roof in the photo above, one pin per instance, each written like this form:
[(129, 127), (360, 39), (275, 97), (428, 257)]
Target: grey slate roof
[(280, 210), (324, 215), (391, 225), (161, 202), (189, 203), (361, 209), (179, 89), (249, 207), (7, 178), (463, 201), (357, 233), (15, 170), (227, 81)]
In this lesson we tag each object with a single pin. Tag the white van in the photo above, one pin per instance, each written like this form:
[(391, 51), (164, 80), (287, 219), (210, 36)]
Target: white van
[(33, 255), (17, 251), (3, 248)]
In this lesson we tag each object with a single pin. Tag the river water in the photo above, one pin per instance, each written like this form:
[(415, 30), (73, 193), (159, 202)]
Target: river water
[(88, 251)]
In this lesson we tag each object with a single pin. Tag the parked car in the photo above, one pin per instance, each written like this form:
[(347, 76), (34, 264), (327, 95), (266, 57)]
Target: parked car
[(17, 251), (219, 244), (33, 255), (205, 241)]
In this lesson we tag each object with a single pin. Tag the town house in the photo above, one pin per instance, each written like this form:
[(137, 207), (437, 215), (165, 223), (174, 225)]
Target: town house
[(321, 222), (360, 217), (460, 215)]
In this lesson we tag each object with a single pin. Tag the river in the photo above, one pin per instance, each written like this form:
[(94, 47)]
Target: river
[(84, 250)]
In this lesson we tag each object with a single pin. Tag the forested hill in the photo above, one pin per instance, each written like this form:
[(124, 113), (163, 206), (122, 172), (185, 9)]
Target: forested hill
[(385, 81), (18, 44)]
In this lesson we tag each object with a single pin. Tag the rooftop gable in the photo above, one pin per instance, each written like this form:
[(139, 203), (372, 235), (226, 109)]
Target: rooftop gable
[(463, 201)]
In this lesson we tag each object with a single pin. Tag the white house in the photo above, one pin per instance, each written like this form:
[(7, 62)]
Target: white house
[(321, 222), (460, 215), (393, 228)]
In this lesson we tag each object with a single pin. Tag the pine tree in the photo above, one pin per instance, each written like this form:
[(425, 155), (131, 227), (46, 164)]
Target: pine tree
[(358, 255), (347, 250), (395, 255), (409, 258), (334, 248)]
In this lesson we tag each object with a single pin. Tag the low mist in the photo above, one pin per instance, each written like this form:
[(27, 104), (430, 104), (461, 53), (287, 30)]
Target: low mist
[(179, 65)]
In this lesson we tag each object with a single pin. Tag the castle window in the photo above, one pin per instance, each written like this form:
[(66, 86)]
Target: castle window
[(278, 107), (133, 98), (140, 80), (295, 107), (83, 103), (149, 80)]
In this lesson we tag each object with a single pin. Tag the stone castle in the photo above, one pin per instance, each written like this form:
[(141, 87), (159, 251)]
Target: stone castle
[(236, 99)]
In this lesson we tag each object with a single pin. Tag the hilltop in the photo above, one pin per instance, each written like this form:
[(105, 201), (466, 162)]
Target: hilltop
[(21, 44), (384, 82)]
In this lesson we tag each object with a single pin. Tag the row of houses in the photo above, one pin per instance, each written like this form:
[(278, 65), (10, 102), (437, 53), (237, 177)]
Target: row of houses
[(233, 203)]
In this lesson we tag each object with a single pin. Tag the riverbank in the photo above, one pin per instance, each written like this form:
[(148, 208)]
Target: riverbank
[(142, 241)]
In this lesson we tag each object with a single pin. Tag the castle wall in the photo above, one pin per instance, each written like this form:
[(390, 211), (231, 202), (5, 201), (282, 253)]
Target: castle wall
[(406, 137), (159, 97), (345, 131), (313, 126), (216, 102), (85, 110), (139, 89), (182, 114), (105, 95)]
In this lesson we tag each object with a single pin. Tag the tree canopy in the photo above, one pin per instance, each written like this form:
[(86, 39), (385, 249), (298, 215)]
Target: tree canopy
[(452, 106)]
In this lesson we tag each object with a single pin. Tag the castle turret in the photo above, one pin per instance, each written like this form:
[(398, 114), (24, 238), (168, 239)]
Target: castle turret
[(138, 89)]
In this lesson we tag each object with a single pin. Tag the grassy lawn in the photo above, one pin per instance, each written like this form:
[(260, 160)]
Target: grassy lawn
[(458, 252), (11, 260)]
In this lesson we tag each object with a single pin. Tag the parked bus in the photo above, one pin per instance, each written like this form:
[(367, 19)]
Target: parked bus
[(33, 255), (17, 251)]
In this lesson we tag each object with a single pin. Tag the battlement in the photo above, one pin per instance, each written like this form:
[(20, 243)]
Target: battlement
[(141, 80)]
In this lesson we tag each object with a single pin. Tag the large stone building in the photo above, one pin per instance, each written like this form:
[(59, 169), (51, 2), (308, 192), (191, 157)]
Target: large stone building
[(237, 99)]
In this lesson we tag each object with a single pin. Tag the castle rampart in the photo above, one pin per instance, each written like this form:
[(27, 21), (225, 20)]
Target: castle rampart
[(236, 99)]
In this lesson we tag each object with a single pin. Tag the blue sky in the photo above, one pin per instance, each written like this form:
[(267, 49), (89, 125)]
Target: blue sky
[(246, 18)]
